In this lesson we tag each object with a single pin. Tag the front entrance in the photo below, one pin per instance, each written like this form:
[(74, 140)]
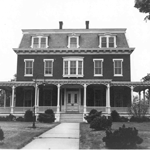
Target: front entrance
[(72, 101)]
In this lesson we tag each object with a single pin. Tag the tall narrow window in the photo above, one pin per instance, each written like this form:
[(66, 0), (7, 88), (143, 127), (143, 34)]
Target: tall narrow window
[(66, 67), (35, 42), (111, 41), (73, 41), (28, 67), (118, 69), (48, 67), (43, 42), (104, 42), (98, 67), (72, 67), (80, 67)]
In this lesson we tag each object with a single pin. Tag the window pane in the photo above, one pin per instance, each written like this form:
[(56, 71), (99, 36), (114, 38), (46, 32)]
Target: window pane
[(73, 42), (28, 67), (66, 67), (111, 41), (43, 43), (72, 67), (35, 42), (118, 67), (98, 67), (80, 67), (48, 67), (103, 42)]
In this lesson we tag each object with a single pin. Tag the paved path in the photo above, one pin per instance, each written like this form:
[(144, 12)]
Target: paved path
[(63, 136)]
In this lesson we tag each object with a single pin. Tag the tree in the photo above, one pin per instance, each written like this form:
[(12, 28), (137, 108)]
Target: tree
[(144, 7)]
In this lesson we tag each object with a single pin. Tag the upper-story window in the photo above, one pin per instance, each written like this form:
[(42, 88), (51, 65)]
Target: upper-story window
[(73, 42), (39, 42), (98, 67), (73, 67), (107, 41), (118, 67), (28, 67), (48, 67)]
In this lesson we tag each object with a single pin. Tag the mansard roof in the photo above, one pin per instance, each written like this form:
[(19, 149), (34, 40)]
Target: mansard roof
[(58, 38)]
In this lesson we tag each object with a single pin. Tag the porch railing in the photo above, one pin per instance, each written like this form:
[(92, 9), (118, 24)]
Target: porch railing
[(98, 108), (5, 110), (120, 109), (42, 109)]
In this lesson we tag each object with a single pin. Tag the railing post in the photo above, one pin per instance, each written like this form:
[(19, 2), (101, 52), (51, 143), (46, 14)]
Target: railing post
[(85, 98), (12, 99)]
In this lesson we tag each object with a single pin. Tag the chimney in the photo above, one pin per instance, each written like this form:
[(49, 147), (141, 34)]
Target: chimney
[(60, 24), (87, 24)]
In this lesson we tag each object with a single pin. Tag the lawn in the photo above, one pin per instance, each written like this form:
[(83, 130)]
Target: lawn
[(90, 139), (18, 134)]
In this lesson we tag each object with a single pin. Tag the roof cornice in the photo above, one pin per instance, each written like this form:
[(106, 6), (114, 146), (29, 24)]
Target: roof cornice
[(57, 31)]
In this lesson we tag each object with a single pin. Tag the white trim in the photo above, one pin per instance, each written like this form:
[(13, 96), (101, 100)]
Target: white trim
[(25, 74), (48, 75), (118, 75), (97, 75), (107, 36), (69, 59), (39, 44)]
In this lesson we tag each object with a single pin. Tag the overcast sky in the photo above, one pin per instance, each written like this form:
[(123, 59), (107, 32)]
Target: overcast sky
[(45, 14)]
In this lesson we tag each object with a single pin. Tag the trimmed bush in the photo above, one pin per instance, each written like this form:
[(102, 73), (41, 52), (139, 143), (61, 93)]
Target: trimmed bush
[(28, 116), (101, 123), (46, 118), (124, 138), (92, 115), (11, 118), (115, 116), (20, 119), (49, 111)]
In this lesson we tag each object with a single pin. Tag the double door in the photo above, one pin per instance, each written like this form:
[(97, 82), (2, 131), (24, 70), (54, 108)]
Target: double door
[(73, 101)]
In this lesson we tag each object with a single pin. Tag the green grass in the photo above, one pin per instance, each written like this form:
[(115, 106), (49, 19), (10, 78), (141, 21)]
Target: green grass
[(18, 134), (90, 139)]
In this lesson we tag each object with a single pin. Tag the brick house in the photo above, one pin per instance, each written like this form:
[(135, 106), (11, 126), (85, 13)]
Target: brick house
[(72, 71)]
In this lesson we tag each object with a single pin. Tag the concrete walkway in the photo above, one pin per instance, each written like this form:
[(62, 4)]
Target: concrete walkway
[(63, 136)]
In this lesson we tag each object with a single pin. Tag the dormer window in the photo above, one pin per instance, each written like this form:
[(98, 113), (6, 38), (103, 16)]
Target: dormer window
[(39, 42), (107, 41), (73, 42)]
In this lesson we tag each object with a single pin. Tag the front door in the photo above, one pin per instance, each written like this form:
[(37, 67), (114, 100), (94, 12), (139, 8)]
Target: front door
[(72, 101)]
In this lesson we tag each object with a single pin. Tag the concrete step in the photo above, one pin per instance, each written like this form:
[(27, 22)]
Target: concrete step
[(71, 117)]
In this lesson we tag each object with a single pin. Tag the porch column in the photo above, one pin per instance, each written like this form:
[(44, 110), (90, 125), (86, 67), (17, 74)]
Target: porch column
[(108, 98), (58, 98), (12, 99), (35, 103), (139, 96), (84, 98), (132, 94)]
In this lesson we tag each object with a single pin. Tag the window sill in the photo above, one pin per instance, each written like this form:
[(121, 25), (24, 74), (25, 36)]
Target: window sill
[(27, 75), (118, 75), (75, 76), (98, 75), (48, 75)]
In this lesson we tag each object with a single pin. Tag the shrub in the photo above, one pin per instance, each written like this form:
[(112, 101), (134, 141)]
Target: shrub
[(124, 138), (1, 135), (28, 116), (49, 111), (20, 119), (2, 118), (46, 118), (92, 115), (101, 123), (139, 119), (11, 118), (115, 116)]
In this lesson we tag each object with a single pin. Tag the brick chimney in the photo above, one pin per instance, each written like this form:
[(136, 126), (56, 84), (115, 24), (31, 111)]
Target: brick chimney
[(87, 24), (60, 24)]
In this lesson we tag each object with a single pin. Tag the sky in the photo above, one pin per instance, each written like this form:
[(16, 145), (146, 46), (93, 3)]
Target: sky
[(16, 15)]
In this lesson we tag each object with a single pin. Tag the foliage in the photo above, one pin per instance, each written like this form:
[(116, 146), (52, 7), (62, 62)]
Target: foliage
[(101, 123), (46, 118), (28, 116), (11, 118), (92, 115), (139, 108), (20, 119), (139, 119), (1, 135), (124, 138), (115, 116), (49, 111), (144, 7)]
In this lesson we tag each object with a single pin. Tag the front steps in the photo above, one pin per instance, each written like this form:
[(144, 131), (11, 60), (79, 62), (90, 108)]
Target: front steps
[(71, 117)]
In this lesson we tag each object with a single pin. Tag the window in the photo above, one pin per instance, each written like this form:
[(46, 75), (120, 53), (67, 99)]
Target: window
[(29, 67), (39, 42), (48, 67), (118, 70), (107, 41), (73, 67), (98, 67), (73, 42)]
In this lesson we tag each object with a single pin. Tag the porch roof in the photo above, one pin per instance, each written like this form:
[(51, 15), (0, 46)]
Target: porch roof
[(138, 86)]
